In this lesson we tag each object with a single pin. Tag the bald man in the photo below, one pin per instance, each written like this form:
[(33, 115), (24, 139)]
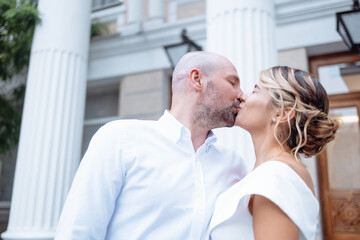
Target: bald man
[(160, 179)]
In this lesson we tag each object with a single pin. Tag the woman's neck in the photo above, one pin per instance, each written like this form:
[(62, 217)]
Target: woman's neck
[(267, 148)]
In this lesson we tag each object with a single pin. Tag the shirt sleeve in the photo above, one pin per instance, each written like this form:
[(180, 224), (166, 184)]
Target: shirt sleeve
[(95, 188)]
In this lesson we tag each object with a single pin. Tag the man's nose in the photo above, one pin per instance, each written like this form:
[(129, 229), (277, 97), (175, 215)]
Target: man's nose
[(240, 94)]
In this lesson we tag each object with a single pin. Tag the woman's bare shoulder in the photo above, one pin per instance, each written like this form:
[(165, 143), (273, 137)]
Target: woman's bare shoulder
[(301, 170)]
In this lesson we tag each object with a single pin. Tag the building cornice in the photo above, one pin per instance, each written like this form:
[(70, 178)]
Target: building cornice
[(158, 35), (152, 36), (295, 11)]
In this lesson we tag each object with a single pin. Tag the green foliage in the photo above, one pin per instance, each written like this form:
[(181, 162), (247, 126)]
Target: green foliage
[(17, 23), (98, 28), (10, 119)]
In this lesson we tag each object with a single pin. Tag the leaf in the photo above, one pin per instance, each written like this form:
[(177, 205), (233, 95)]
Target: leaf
[(18, 19)]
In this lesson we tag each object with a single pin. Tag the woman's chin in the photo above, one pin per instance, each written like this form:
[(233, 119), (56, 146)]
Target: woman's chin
[(242, 123), (238, 122)]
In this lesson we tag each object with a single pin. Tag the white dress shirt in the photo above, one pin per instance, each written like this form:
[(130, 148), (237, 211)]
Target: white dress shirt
[(143, 180)]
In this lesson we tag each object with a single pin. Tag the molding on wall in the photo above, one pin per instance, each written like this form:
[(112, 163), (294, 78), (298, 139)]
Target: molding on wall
[(292, 17), (295, 11), (109, 14), (151, 37), (158, 35)]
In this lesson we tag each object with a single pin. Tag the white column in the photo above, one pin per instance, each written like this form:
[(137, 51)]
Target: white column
[(155, 12), (135, 17), (51, 129), (244, 32)]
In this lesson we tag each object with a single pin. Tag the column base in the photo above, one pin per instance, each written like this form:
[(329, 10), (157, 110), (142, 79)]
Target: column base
[(28, 235)]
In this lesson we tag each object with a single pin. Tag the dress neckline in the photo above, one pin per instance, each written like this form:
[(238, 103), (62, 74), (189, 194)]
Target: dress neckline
[(291, 169)]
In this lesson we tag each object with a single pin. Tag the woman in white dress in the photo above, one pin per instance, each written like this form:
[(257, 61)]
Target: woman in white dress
[(286, 115)]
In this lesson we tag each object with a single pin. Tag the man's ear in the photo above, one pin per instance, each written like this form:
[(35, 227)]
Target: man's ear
[(196, 78), (289, 113)]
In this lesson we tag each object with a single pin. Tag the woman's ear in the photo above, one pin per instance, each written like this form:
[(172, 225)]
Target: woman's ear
[(196, 78), (289, 113)]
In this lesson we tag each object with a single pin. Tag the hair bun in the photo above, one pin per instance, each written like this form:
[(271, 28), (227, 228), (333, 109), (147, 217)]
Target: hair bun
[(321, 130), (310, 129)]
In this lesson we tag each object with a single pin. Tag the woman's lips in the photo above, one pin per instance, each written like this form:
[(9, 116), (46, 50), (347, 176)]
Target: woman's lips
[(242, 105)]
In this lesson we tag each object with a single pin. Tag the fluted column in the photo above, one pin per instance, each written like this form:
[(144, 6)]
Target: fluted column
[(135, 17), (156, 11), (243, 31), (51, 128)]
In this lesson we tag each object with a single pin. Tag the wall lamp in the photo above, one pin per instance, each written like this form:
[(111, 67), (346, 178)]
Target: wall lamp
[(175, 51), (348, 26)]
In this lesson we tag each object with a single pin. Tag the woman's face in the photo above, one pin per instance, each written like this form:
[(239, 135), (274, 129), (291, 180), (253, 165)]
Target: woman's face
[(256, 112)]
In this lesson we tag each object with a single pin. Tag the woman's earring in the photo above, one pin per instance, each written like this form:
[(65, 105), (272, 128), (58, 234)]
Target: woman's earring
[(274, 119)]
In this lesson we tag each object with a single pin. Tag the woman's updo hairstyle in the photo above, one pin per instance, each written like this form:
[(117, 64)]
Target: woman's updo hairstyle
[(295, 90)]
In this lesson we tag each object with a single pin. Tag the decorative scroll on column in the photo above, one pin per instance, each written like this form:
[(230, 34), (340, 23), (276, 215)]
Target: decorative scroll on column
[(51, 130), (244, 32)]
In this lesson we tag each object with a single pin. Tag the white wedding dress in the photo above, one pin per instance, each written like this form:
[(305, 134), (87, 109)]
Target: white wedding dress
[(279, 183)]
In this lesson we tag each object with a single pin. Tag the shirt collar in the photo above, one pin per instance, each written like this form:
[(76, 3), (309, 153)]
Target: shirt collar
[(211, 138), (176, 131)]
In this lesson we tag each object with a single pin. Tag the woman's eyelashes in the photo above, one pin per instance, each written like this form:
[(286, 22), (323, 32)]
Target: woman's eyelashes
[(256, 89)]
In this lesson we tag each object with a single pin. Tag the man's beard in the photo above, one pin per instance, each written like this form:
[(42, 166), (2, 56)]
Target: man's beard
[(210, 116), (212, 112)]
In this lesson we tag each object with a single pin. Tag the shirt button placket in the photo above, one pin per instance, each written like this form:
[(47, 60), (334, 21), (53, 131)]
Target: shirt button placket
[(199, 200)]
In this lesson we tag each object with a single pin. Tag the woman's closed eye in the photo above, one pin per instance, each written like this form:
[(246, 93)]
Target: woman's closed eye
[(256, 89)]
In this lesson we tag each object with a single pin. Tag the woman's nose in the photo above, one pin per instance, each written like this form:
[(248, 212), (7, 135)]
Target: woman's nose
[(245, 96)]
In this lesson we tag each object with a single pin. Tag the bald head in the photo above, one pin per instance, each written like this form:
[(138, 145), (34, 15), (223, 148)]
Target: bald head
[(206, 62), (206, 91)]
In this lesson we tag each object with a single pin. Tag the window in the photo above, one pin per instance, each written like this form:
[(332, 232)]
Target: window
[(102, 106)]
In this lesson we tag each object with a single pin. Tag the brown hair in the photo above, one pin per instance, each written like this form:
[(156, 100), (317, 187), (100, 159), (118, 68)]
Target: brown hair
[(296, 90)]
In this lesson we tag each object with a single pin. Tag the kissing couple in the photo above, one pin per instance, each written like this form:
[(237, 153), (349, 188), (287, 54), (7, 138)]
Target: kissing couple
[(171, 179)]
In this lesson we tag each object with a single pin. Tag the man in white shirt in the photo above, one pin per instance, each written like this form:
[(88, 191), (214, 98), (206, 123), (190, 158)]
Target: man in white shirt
[(160, 179)]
